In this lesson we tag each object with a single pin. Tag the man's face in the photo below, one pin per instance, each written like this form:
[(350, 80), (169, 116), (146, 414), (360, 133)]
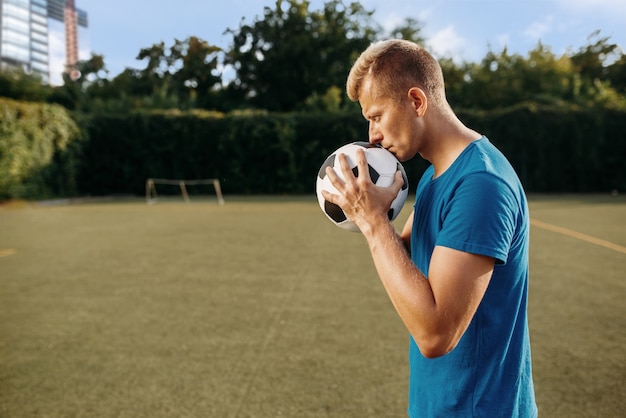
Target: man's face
[(393, 123)]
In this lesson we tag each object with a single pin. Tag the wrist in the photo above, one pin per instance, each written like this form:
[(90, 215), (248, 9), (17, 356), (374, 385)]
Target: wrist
[(375, 225)]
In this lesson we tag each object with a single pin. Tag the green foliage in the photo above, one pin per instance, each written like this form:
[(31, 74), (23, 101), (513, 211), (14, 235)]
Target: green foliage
[(559, 149), (34, 139), (292, 53), (187, 72), (554, 149), (409, 29), (331, 101), (501, 80), (292, 58), (250, 152), (73, 93), (15, 84), (560, 119), (617, 75), (183, 76)]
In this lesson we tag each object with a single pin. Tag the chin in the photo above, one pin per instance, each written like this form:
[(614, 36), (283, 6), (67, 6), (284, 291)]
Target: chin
[(402, 157)]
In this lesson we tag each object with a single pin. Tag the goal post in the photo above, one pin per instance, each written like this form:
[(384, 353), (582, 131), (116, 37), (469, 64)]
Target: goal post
[(152, 196)]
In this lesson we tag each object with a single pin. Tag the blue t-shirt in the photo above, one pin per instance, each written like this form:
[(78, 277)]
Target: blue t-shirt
[(478, 206)]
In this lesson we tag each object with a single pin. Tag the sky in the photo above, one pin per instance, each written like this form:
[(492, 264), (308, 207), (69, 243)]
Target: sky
[(464, 30)]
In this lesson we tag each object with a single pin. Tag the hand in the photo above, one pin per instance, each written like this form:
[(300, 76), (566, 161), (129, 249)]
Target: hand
[(362, 201)]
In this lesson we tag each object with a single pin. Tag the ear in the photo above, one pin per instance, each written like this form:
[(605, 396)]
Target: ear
[(418, 100)]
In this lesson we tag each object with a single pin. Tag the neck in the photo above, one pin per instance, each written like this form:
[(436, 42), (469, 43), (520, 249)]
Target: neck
[(449, 139)]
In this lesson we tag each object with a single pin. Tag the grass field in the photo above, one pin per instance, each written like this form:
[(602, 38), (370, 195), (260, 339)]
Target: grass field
[(262, 308)]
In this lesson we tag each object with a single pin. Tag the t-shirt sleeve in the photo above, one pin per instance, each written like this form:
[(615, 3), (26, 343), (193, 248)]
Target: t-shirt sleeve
[(480, 217)]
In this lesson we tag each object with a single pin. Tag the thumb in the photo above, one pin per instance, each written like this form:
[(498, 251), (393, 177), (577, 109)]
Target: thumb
[(398, 182)]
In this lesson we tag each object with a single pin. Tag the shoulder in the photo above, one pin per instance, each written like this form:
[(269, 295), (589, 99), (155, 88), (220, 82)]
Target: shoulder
[(485, 156), (485, 166)]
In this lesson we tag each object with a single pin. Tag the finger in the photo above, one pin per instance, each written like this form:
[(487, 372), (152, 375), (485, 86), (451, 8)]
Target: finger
[(334, 198), (398, 182), (329, 196), (361, 160), (346, 170), (335, 180)]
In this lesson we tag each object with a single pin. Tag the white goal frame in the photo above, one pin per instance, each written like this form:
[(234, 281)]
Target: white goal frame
[(152, 196)]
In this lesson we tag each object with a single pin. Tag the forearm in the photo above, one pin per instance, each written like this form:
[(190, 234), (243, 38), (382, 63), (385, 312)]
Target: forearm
[(408, 289), (436, 310)]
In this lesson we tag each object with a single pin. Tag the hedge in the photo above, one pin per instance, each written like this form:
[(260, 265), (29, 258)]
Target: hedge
[(250, 154), (560, 150), (43, 153), (38, 152)]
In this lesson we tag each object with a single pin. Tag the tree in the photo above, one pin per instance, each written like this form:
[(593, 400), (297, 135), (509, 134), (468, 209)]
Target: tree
[(503, 79), (73, 94), (196, 80), (16, 84), (591, 60), (601, 83), (181, 76), (617, 74), (154, 79), (410, 29), (293, 53)]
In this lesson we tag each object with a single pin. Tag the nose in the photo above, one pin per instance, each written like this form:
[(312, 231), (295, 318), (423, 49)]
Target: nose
[(375, 137)]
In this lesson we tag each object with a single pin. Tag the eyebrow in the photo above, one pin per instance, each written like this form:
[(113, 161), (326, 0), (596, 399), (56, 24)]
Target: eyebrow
[(368, 111)]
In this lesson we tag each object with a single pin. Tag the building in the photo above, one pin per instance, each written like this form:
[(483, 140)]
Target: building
[(25, 34)]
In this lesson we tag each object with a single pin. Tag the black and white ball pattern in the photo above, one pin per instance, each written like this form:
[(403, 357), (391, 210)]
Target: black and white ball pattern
[(382, 166)]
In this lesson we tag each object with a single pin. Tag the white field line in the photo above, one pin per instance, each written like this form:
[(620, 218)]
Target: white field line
[(578, 235)]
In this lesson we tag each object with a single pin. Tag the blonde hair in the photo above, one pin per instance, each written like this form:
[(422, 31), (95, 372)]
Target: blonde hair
[(393, 67)]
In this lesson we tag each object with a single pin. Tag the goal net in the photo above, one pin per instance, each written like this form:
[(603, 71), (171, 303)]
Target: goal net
[(151, 190)]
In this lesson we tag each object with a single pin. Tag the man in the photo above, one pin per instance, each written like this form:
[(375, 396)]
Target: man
[(461, 288)]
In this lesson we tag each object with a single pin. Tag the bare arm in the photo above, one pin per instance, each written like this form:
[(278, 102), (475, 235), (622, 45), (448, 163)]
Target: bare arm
[(437, 310), (405, 235)]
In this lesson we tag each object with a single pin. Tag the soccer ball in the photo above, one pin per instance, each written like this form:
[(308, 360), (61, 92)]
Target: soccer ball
[(382, 167)]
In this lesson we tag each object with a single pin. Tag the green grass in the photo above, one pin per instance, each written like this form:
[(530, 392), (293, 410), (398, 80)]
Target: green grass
[(262, 308)]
